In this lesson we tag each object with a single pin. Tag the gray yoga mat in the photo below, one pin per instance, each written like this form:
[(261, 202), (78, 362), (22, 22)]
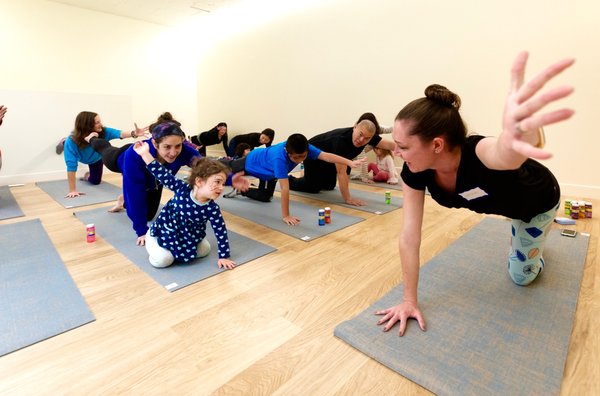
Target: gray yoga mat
[(397, 187), (94, 194), (375, 201), (38, 298), (485, 335), (116, 229), (9, 208), (268, 214)]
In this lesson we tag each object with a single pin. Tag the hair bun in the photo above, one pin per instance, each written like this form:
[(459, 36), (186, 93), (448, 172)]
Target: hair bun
[(442, 95)]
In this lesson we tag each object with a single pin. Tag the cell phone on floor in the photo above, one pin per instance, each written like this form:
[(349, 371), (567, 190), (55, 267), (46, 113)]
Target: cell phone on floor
[(569, 233)]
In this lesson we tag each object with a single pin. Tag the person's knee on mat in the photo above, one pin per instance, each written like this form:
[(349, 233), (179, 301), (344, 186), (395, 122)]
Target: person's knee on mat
[(524, 273), (158, 256), (203, 249)]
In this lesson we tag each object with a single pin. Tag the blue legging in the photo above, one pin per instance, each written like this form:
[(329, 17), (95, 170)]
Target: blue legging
[(525, 261)]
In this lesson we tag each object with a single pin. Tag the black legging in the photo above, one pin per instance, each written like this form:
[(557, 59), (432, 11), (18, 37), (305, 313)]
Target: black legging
[(318, 175), (109, 153), (110, 156), (152, 201), (266, 188)]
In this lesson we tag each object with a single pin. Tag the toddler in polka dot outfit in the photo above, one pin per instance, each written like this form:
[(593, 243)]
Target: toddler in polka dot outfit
[(179, 231)]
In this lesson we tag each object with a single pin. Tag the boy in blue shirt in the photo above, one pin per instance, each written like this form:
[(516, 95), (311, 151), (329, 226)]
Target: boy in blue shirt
[(274, 163)]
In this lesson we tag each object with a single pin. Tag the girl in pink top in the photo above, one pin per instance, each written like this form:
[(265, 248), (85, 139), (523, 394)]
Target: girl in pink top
[(384, 169)]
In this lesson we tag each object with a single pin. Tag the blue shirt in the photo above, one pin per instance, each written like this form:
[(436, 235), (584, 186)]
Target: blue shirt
[(181, 224), (86, 155), (273, 162), (137, 180)]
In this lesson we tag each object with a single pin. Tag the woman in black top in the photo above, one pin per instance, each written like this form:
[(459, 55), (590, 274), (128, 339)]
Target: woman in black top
[(493, 175), (214, 136), (252, 139)]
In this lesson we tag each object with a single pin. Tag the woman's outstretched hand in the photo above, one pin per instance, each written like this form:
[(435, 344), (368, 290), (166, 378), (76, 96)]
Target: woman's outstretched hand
[(522, 121)]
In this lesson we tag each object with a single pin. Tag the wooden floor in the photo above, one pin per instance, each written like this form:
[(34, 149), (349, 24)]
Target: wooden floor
[(263, 328)]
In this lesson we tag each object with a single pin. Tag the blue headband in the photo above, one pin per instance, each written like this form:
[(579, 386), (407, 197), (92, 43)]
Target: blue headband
[(166, 129)]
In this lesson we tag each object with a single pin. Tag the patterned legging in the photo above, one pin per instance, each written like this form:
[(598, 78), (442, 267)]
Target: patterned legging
[(525, 261)]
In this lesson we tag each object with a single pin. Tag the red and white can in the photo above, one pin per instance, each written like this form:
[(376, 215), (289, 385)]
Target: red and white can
[(91, 232)]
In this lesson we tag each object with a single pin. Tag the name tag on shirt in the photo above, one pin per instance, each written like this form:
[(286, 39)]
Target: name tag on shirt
[(473, 194)]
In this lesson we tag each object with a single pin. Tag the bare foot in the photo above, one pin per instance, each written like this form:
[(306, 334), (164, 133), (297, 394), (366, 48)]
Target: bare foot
[(119, 206)]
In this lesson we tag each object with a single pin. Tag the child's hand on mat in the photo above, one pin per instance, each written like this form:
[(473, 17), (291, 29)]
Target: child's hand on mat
[(355, 202), (291, 220), (226, 263), (141, 241), (401, 313), (74, 194), (239, 182)]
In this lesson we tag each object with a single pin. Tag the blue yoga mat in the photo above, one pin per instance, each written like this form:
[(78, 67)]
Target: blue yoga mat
[(94, 194), (116, 229), (268, 214), (9, 208), (485, 335), (38, 298)]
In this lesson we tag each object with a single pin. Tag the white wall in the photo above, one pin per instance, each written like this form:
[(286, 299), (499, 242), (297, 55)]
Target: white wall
[(62, 55), (322, 67)]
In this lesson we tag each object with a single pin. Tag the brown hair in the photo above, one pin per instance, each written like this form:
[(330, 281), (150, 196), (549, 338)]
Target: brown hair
[(204, 168), (436, 115), (84, 125)]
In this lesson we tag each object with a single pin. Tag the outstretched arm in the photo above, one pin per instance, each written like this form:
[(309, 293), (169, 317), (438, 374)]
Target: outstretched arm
[(522, 122), (341, 163), (285, 203), (137, 132), (409, 246)]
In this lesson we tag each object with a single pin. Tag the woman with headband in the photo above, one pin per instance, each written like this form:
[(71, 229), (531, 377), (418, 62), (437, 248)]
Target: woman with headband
[(141, 190)]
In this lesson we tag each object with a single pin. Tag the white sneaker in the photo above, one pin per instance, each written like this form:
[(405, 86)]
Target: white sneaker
[(231, 194)]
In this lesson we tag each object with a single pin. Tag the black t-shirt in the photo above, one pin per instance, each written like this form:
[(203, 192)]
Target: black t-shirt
[(211, 137), (517, 194), (252, 139), (339, 141)]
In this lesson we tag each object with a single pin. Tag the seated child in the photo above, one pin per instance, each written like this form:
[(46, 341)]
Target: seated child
[(273, 164), (179, 231), (384, 170)]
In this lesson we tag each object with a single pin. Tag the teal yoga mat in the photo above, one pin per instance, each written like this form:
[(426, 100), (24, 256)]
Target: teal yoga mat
[(9, 208), (38, 298), (116, 229), (94, 194), (268, 214), (485, 335)]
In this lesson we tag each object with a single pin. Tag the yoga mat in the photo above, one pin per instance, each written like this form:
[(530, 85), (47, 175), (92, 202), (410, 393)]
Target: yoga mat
[(375, 201), (485, 335), (38, 298), (94, 194), (116, 229), (268, 214), (9, 207), (397, 187)]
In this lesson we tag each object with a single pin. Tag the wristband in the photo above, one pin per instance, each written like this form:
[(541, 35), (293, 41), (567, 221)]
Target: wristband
[(133, 134)]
